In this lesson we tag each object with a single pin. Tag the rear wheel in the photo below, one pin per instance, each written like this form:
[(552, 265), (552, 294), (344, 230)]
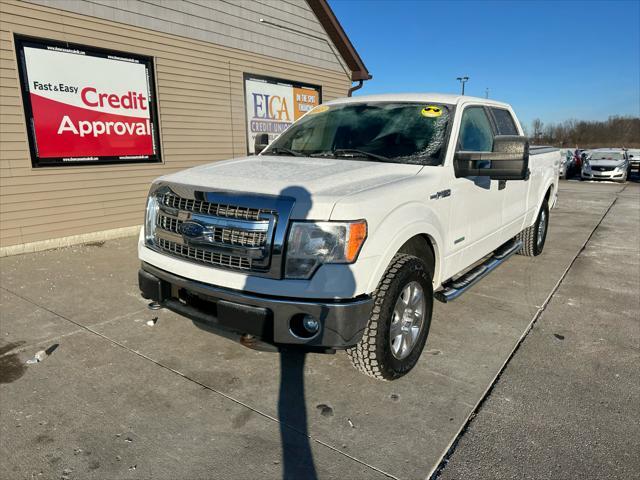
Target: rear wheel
[(400, 319), (534, 237)]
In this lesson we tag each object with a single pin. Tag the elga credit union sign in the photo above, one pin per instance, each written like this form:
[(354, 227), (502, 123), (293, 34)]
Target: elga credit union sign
[(273, 104), (85, 105)]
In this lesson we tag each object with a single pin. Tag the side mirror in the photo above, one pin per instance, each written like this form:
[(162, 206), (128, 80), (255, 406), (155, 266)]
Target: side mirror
[(260, 142), (509, 160)]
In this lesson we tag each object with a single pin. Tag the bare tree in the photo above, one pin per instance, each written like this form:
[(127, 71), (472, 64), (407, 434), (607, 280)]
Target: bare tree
[(536, 126), (614, 132)]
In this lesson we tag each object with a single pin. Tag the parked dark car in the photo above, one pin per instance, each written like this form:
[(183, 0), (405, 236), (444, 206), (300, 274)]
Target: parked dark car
[(570, 165)]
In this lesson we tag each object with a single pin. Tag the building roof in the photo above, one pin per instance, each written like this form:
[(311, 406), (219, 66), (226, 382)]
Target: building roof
[(338, 36)]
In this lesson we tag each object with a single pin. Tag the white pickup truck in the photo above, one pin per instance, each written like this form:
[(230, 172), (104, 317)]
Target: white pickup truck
[(344, 229)]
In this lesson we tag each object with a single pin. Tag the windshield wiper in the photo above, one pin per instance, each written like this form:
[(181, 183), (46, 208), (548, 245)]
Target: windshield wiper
[(286, 151), (351, 153)]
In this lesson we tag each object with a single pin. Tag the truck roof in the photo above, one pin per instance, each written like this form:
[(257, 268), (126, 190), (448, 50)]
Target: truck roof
[(418, 98)]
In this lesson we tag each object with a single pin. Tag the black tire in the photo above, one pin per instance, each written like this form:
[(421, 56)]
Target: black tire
[(373, 355), (532, 244)]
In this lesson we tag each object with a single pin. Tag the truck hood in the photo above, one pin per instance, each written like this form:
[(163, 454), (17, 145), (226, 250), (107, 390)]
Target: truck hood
[(316, 183)]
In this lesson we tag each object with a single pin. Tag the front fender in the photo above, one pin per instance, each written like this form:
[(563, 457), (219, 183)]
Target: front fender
[(394, 231)]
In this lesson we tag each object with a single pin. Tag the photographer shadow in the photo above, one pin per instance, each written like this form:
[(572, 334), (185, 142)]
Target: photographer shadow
[(297, 454)]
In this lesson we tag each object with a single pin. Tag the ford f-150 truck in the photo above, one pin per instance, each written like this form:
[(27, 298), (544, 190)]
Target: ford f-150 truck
[(343, 230)]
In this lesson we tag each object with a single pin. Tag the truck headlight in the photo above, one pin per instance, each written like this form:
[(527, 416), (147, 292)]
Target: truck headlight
[(312, 244), (150, 218)]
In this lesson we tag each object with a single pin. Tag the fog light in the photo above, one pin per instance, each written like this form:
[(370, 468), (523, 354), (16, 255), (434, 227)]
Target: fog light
[(310, 324), (304, 326)]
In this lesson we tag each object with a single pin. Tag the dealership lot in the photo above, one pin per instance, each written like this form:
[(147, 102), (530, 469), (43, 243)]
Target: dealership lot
[(566, 404), (122, 397)]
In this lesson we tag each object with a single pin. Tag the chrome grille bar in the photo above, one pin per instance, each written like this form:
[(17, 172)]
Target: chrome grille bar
[(215, 209), (234, 262), (220, 235)]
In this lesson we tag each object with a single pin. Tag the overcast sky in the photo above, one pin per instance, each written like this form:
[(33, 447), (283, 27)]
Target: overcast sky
[(549, 59)]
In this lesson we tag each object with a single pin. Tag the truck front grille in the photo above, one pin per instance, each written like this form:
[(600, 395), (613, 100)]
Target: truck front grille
[(234, 237), (235, 262)]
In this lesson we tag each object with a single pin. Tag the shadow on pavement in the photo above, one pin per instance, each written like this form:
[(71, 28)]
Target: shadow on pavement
[(292, 413), (297, 454), (297, 457)]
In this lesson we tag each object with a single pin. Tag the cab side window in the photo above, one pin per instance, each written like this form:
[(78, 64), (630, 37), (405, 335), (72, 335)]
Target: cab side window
[(504, 121), (476, 134)]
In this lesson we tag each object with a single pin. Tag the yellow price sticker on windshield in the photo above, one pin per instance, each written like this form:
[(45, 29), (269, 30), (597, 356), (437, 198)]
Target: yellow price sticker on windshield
[(319, 109), (431, 111)]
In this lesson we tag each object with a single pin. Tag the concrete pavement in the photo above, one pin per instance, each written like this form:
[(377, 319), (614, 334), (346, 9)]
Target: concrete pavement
[(568, 404), (118, 398)]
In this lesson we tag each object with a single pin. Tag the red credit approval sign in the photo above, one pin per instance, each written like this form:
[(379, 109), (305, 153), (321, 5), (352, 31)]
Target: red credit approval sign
[(87, 106)]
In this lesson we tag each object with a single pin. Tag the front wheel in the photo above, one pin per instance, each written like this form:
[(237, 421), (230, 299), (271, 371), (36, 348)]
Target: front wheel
[(400, 319), (533, 237)]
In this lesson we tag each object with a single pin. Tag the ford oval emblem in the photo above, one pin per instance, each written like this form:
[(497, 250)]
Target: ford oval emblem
[(191, 229)]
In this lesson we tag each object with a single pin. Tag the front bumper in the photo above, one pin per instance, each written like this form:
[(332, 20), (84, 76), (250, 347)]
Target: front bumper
[(256, 320), (609, 175)]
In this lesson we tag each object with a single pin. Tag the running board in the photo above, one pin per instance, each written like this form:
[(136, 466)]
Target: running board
[(454, 288)]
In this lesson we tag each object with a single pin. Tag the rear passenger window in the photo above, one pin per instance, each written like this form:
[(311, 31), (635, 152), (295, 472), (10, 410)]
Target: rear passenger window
[(504, 122)]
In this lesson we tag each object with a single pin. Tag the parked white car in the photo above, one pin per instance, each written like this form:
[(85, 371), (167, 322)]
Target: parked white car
[(338, 234), (633, 155), (606, 164)]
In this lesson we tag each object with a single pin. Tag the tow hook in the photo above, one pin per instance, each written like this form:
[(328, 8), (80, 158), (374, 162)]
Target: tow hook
[(248, 340)]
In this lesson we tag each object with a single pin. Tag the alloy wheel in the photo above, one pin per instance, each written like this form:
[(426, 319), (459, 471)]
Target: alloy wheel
[(407, 320), (542, 227)]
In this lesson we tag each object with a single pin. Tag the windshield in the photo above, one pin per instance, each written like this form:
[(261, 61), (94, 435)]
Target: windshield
[(394, 132), (607, 156)]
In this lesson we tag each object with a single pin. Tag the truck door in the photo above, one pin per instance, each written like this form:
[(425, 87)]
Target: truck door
[(514, 192), (476, 215)]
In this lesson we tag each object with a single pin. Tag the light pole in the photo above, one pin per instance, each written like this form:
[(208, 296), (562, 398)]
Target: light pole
[(462, 80)]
